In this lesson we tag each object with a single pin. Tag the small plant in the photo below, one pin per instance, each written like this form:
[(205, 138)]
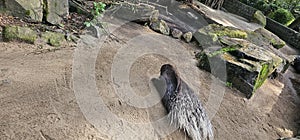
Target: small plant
[(97, 10), (228, 84)]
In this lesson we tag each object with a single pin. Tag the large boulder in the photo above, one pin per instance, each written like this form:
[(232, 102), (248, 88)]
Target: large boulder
[(36, 10), (26, 8), (56, 10), (246, 64)]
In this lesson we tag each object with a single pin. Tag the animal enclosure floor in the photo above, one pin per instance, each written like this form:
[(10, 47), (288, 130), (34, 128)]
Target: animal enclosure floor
[(37, 96)]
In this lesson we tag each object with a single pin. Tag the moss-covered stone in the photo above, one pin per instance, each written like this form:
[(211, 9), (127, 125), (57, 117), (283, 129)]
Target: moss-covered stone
[(53, 39), (274, 40), (161, 26), (247, 65), (210, 34), (19, 33), (260, 18), (248, 56), (233, 33), (188, 36)]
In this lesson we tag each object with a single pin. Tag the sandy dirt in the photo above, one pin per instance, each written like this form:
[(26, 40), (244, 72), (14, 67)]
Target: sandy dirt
[(38, 101)]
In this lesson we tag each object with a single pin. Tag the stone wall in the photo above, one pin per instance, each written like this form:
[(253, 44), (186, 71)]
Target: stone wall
[(238, 8), (290, 36)]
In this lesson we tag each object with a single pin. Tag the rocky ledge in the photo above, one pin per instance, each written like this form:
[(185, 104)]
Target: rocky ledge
[(249, 57)]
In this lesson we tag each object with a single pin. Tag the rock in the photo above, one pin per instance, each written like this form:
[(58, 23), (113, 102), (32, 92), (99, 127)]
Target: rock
[(260, 18), (53, 38), (273, 39), (295, 138), (176, 33), (208, 35), (5, 82), (72, 37), (246, 63), (19, 33), (188, 36), (56, 10), (178, 15), (160, 26), (296, 84), (296, 64), (154, 16), (26, 8), (133, 12)]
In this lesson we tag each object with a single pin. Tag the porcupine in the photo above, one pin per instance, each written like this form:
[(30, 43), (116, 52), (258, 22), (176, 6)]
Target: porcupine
[(183, 106)]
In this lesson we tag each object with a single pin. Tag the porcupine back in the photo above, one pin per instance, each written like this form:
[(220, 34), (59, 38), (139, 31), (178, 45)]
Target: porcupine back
[(185, 110)]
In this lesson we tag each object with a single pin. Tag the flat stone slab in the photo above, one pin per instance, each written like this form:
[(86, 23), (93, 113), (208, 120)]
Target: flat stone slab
[(179, 14)]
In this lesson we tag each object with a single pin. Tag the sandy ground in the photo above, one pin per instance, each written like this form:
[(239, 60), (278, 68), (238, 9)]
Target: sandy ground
[(38, 99)]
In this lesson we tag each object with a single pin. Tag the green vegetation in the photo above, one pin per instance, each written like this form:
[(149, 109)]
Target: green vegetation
[(227, 31), (262, 76), (260, 18), (232, 33), (53, 39), (228, 84), (283, 16), (223, 50), (19, 33), (98, 10), (283, 11)]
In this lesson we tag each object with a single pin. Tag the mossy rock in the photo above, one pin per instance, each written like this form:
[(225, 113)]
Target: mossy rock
[(260, 18), (160, 26), (249, 56), (274, 40), (210, 34), (25, 34), (53, 38), (188, 36), (247, 65)]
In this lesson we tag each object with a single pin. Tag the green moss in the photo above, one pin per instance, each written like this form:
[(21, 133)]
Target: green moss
[(19, 33), (53, 39), (262, 76), (223, 50), (233, 33), (27, 12), (277, 44), (260, 18), (225, 31), (228, 84)]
